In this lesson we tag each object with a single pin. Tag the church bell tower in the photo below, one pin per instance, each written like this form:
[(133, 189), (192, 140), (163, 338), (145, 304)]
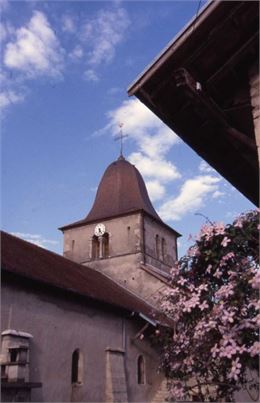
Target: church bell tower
[(122, 235)]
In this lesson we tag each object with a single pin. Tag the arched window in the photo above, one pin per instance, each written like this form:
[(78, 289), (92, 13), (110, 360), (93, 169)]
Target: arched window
[(105, 245), (95, 247), (163, 249), (157, 247), (140, 370), (77, 367)]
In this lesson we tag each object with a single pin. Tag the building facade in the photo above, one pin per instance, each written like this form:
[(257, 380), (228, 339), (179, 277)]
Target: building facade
[(122, 236), (78, 327)]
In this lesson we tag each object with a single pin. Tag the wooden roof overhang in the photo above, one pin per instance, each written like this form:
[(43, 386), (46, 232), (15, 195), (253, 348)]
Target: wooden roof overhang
[(199, 86)]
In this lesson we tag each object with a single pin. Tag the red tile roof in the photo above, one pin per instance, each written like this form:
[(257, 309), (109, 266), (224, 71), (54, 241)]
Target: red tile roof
[(35, 263)]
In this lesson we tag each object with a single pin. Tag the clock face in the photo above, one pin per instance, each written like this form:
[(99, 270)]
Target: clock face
[(100, 229)]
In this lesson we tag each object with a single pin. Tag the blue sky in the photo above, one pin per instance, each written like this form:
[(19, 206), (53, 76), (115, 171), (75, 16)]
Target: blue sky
[(65, 70)]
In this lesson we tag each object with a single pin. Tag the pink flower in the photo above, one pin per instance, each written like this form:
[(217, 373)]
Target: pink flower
[(239, 222), (208, 270), (192, 303), (214, 351), (217, 273), (227, 257), (203, 287), (182, 281), (235, 369), (203, 306), (219, 228), (254, 349), (246, 324), (242, 349), (227, 339), (227, 351), (225, 291), (227, 317), (255, 281), (177, 391), (257, 320), (225, 241), (255, 303), (206, 231)]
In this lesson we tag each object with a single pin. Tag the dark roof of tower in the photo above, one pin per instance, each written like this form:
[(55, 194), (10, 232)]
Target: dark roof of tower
[(121, 191)]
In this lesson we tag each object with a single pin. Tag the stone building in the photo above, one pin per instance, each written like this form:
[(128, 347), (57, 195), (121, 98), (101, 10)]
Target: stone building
[(76, 328), (123, 236)]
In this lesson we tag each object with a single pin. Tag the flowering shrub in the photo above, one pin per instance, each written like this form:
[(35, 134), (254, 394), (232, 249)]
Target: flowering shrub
[(213, 347)]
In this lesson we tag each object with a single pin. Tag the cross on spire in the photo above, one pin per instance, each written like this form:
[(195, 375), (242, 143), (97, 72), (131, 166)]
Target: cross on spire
[(120, 137)]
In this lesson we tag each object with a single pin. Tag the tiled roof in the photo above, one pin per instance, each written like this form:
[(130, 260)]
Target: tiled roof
[(121, 190), (35, 263)]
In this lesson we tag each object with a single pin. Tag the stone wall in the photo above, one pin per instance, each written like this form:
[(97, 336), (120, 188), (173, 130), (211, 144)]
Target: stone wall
[(153, 228), (125, 238), (59, 326)]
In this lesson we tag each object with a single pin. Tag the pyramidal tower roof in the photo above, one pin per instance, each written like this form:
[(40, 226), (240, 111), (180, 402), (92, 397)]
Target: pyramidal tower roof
[(121, 191)]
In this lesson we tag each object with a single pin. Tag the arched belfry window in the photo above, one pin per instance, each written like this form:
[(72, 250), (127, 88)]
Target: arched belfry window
[(77, 367), (140, 370), (95, 247), (105, 245), (163, 249), (157, 246), (100, 246)]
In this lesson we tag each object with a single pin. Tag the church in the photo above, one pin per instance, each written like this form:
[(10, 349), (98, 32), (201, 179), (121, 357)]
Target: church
[(76, 328)]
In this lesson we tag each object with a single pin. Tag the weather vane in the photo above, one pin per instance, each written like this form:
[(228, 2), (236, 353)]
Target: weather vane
[(120, 137)]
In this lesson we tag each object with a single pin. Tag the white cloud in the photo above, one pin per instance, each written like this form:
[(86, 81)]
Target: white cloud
[(217, 194), (36, 50), (152, 136), (153, 140), (158, 168), (103, 33), (77, 53), (114, 91), (155, 190), (90, 75), (36, 239), (68, 24), (192, 195), (206, 168), (9, 97)]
